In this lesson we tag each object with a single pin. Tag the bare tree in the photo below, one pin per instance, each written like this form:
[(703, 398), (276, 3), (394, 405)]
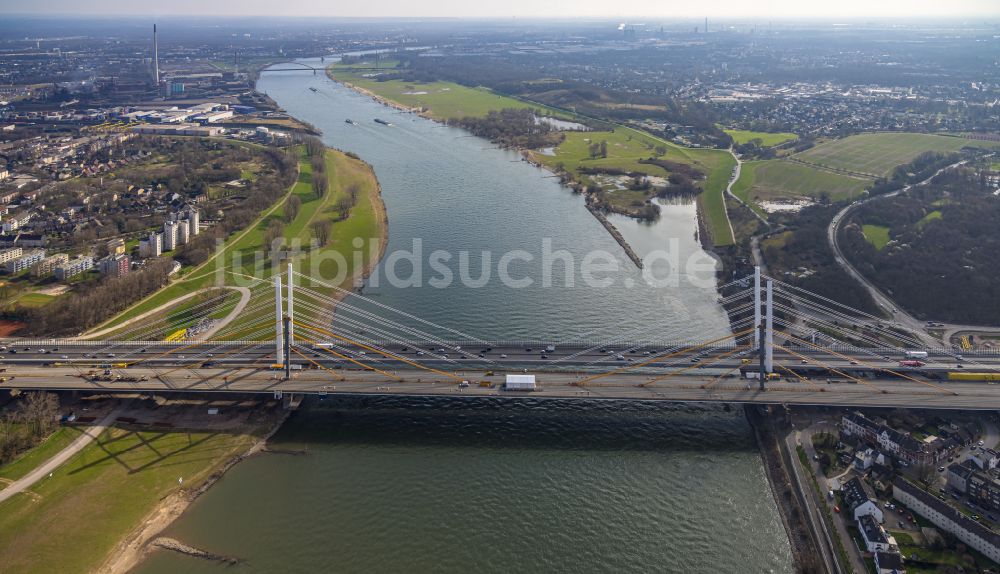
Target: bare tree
[(321, 231), (292, 207), (274, 230), (925, 474)]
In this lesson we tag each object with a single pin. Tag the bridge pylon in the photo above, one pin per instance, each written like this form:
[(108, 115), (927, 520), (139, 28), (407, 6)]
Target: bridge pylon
[(291, 310), (284, 317), (279, 347), (769, 329), (763, 316)]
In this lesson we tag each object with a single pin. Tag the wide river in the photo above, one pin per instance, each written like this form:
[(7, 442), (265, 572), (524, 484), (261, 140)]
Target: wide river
[(443, 485)]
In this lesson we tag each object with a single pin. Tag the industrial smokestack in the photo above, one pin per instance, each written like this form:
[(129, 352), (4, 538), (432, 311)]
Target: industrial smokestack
[(156, 58)]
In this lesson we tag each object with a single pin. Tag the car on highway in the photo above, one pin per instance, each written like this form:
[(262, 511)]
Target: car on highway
[(503, 356)]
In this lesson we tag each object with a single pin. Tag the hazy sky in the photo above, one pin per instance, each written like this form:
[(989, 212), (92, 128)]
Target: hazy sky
[(767, 9)]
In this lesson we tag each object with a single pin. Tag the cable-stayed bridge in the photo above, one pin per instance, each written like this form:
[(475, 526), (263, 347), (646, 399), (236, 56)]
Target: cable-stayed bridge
[(282, 336)]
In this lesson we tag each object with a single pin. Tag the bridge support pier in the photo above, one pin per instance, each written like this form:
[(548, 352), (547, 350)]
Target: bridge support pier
[(291, 401)]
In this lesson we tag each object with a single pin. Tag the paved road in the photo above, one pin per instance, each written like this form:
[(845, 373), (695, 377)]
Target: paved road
[(896, 393), (810, 361), (88, 435), (244, 299), (729, 188), (881, 299), (805, 437)]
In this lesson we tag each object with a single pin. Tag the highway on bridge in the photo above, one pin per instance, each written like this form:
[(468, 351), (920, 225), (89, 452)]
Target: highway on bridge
[(450, 356), (879, 392), (826, 354)]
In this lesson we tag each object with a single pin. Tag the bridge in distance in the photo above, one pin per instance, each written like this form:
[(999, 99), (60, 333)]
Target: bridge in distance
[(786, 348)]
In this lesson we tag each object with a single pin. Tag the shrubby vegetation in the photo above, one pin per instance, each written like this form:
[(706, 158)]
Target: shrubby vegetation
[(805, 247), (512, 127), (517, 79), (922, 167), (263, 192), (943, 252), (94, 303)]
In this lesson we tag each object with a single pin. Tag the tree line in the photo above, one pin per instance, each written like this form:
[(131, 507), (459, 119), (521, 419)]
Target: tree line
[(512, 127), (32, 418), (262, 193)]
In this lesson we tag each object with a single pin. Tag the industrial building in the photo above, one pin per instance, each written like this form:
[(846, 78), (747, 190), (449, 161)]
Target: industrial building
[(183, 129)]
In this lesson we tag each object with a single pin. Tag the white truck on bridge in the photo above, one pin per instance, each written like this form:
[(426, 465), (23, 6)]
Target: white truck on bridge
[(916, 354), (520, 383)]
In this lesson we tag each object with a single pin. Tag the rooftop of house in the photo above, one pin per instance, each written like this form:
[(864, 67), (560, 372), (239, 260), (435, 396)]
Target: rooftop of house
[(856, 492), (948, 511), (871, 530)]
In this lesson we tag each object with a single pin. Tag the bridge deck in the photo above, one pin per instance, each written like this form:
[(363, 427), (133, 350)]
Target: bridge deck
[(697, 388)]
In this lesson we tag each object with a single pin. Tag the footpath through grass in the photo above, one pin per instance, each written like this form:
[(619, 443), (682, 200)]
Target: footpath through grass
[(30, 460), (73, 520), (772, 180), (243, 253), (333, 263)]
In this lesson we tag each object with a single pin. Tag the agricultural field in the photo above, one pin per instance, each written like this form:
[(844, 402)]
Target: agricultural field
[(741, 137), (877, 235), (878, 154), (784, 180)]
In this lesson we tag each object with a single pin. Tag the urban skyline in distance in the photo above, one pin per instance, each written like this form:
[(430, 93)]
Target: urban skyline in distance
[(774, 9)]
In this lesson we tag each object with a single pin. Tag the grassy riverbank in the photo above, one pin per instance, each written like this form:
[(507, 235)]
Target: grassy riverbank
[(366, 220), (73, 520), (624, 147)]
